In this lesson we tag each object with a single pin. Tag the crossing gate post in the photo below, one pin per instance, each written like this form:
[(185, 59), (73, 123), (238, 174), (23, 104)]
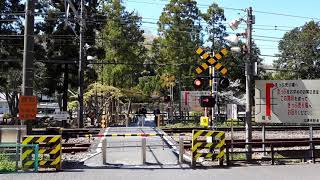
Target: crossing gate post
[(181, 149), (104, 150), (214, 140), (49, 155), (143, 150)]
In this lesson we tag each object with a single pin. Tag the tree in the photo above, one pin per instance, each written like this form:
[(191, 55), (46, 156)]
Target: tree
[(214, 17), (11, 47), (179, 36), (122, 40), (61, 42), (298, 52)]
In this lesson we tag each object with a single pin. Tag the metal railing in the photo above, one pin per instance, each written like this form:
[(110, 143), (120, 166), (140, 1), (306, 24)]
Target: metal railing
[(273, 151), (10, 157)]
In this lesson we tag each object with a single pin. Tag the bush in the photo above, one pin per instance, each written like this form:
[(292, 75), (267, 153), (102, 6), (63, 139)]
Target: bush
[(6, 116), (181, 125), (7, 165)]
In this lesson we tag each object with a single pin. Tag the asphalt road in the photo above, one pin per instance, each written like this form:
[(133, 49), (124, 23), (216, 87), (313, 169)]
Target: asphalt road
[(126, 151), (278, 172)]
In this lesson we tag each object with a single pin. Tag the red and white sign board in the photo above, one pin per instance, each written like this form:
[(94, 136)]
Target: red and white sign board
[(190, 100), (27, 107), (287, 101)]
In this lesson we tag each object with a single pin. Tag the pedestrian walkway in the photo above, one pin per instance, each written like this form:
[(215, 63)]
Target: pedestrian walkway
[(126, 151)]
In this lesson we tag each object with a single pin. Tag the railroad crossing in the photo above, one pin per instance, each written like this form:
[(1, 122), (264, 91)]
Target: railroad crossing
[(124, 148)]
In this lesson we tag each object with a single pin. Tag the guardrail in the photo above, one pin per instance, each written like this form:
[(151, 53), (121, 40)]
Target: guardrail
[(270, 154)]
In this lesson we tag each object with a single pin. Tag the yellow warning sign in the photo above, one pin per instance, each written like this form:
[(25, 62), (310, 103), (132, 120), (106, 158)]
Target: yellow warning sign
[(204, 121)]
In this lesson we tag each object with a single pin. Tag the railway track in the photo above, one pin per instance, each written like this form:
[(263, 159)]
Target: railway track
[(65, 133), (256, 143), (254, 128), (75, 147)]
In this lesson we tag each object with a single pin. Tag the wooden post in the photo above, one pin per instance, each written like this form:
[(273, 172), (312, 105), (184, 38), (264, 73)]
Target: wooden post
[(272, 154), (104, 150), (227, 155), (143, 150), (313, 153), (181, 150)]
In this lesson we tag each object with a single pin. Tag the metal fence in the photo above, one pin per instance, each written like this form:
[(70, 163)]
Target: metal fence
[(274, 151), (10, 157)]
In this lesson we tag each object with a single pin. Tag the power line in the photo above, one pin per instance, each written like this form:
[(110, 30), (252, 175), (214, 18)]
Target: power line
[(287, 15)]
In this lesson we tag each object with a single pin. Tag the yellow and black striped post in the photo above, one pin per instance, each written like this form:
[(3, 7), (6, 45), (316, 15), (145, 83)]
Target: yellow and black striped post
[(218, 142), (212, 61), (50, 152)]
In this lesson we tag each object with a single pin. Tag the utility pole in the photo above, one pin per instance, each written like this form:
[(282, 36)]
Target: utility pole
[(249, 78), (27, 70), (80, 70)]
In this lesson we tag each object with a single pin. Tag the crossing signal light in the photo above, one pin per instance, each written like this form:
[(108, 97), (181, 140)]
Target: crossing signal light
[(197, 83), (207, 101), (224, 83)]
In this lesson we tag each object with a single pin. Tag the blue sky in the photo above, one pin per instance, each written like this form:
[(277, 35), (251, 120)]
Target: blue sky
[(264, 34)]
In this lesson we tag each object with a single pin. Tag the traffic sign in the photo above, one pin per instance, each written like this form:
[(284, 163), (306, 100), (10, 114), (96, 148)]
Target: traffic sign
[(212, 61), (27, 107), (287, 101), (207, 101), (204, 121), (190, 100), (60, 116)]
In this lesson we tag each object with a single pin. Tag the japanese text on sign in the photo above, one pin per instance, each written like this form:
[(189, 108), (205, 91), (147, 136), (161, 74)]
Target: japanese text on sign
[(27, 107), (291, 101)]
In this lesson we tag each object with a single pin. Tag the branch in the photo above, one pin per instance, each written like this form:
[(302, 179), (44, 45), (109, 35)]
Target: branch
[(1, 97)]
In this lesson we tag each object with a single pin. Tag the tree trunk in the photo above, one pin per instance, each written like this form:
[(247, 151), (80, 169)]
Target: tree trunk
[(65, 88), (13, 102)]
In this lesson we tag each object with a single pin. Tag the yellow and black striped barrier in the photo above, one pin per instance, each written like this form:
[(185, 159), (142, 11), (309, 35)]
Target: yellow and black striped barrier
[(50, 152), (213, 147), (212, 61)]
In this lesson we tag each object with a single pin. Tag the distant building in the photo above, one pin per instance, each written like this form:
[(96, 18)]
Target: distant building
[(4, 108)]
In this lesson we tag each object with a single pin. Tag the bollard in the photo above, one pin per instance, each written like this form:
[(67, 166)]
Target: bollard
[(264, 140), (143, 150), (36, 158), (181, 150), (272, 154), (313, 153), (104, 150), (227, 155)]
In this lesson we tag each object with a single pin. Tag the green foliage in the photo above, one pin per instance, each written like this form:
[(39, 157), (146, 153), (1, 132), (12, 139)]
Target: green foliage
[(72, 106), (149, 84), (179, 36), (6, 165), (6, 116), (181, 125), (103, 90), (11, 48), (299, 45), (122, 40), (215, 27), (111, 92)]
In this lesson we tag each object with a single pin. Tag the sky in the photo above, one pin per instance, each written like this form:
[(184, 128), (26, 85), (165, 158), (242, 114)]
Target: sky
[(273, 18)]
